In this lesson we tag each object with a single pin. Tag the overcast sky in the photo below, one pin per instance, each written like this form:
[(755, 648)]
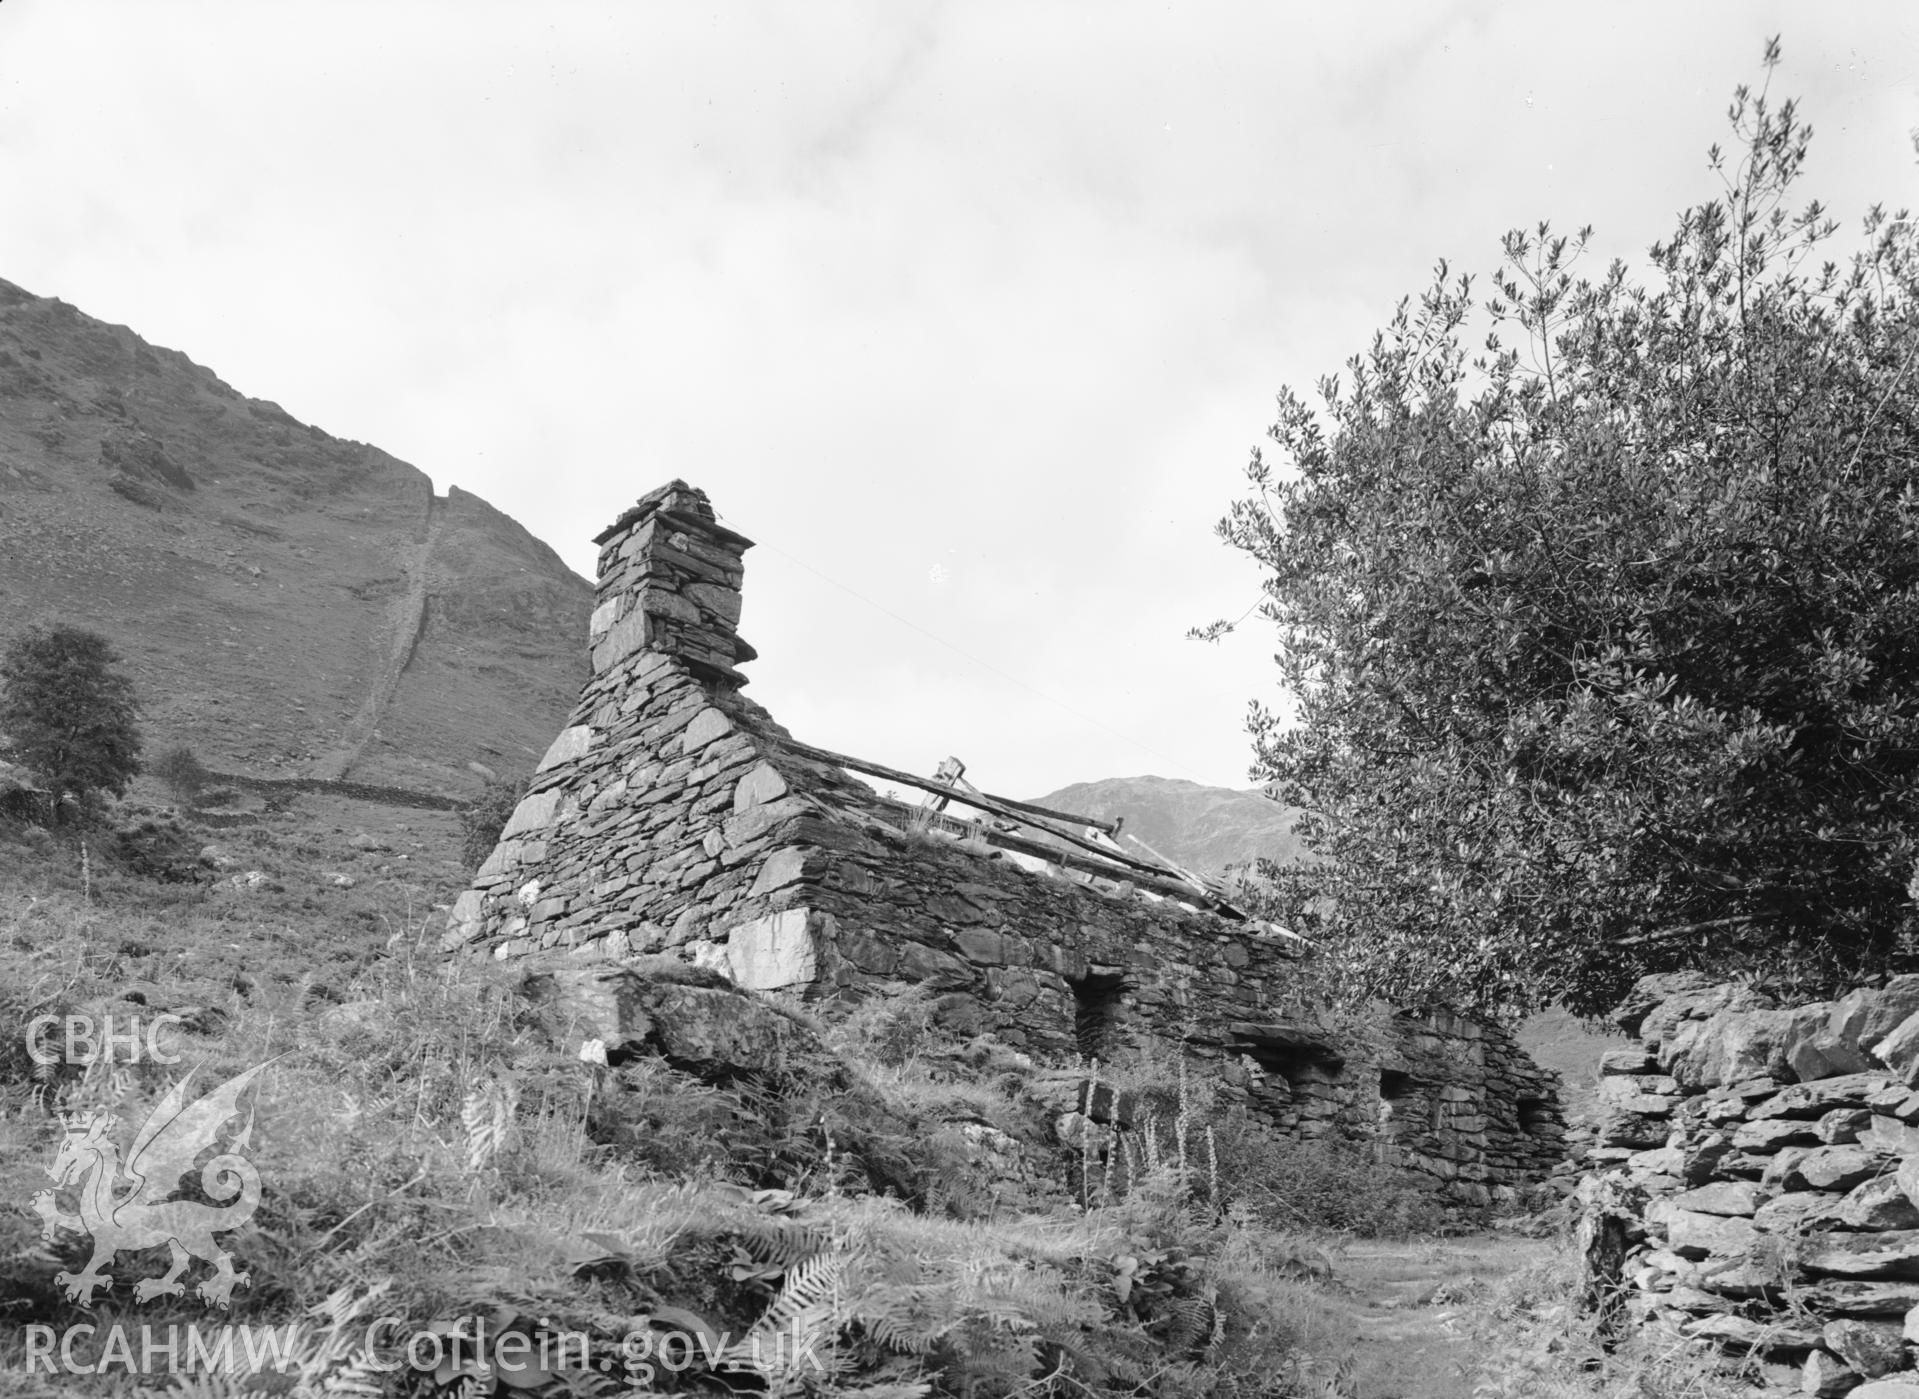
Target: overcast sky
[(969, 313)]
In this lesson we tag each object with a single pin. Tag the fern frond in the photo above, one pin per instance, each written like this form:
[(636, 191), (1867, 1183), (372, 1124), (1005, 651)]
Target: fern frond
[(487, 1115), (1189, 1321), (813, 1284)]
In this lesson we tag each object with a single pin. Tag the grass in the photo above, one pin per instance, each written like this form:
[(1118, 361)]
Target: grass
[(893, 1195), (426, 1154)]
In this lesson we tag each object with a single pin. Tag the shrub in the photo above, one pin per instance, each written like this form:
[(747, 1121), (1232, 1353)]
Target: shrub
[(1291, 1184), (183, 774), (161, 850), (1599, 640), (482, 819), (69, 713), (888, 1029)]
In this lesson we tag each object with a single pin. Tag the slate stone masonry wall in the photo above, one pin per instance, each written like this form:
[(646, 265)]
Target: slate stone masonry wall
[(675, 815), (1756, 1178)]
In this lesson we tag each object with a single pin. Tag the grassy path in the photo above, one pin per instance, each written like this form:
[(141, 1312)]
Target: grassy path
[(1399, 1297)]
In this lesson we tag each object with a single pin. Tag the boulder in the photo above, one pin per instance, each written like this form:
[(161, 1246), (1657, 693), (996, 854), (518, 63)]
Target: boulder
[(1826, 1376), (1651, 993), (1695, 1300), (1738, 1043), (1871, 1348), (1894, 1254), (1744, 1280), (1889, 1137), (693, 1017), (1880, 1203), (1670, 1268), (1824, 1054), (1782, 1171), (1832, 1297), (1701, 1158), (1624, 1088), (1898, 1050), (1837, 1168), (1771, 1134), (1863, 1018), (1791, 1213), (1723, 1110), (1842, 1125), (1727, 1197), (1636, 1130), (1738, 1333), (1887, 1389), (1660, 1162), (1898, 1103), (1691, 1234), (1817, 1098)]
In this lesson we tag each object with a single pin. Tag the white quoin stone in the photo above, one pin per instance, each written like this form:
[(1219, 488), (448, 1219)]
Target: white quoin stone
[(762, 784), (604, 616), (463, 920), (775, 951), (505, 857), (782, 867), (707, 725), (535, 812), (572, 743)]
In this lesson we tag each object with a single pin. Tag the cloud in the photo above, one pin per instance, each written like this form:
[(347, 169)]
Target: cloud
[(1006, 288)]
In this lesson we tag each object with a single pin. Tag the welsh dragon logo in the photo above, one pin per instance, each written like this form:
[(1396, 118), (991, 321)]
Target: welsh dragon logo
[(142, 1214)]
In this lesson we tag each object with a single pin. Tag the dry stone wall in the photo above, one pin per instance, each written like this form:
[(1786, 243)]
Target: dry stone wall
[(673, 815), (1755, 1181)]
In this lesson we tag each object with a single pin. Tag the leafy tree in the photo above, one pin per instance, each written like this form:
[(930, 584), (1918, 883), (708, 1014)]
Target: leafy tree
[(69, 713), (183, 773), (482, 819), (1605, 642)]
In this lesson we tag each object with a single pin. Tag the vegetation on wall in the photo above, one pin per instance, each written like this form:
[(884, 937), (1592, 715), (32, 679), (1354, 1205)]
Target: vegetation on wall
[(482, 820), (1603, 638)]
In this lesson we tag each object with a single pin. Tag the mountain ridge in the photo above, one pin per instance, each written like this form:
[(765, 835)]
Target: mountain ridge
[(1203, 828), (287, 602)]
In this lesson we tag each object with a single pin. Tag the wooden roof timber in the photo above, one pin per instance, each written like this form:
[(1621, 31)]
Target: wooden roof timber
[(1113, 863)]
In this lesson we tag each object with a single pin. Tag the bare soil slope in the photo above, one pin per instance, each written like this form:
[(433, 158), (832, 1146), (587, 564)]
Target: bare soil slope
[(288, 602)]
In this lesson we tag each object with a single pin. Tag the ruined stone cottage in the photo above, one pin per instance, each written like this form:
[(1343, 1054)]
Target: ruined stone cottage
[(675, 815)]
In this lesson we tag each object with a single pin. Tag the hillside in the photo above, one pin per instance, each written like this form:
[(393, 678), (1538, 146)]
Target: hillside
[(1203, 828), (287, 602)]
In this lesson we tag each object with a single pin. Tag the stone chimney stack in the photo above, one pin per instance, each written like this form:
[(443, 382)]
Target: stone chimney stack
[(670, 582)]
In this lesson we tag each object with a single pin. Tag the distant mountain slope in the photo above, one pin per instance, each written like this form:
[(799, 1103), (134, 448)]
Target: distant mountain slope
[(288, 603), (1203, 828)]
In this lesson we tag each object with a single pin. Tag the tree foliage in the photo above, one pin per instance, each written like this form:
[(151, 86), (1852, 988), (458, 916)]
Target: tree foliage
[(183, 773), (482, 819), (69, 713), (1605, 641)]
